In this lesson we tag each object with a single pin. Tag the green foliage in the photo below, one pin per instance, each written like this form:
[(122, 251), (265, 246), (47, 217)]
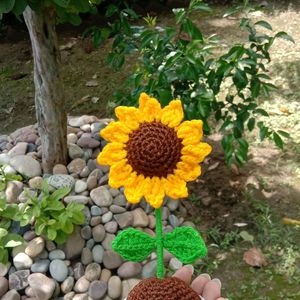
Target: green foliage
[(185, 243), (50, 216), (8, 213), (66, 10), (178, 62), (120, 28), (133, 245), (5, 178)]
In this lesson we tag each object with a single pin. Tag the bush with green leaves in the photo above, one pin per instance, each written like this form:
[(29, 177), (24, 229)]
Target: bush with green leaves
[(180, 62), (49, 216), (8, 213), (6, 177)]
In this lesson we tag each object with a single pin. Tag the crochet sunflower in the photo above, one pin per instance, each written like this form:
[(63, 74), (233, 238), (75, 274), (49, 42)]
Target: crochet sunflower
[(152, 151)]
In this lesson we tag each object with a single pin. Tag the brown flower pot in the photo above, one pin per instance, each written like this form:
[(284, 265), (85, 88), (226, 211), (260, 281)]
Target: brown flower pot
[(170, 288)]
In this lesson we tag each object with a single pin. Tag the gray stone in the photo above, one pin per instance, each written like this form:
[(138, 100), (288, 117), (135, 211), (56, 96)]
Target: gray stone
[(69, 296), (77, 198), (67, 285), (19, 149), (57, 254), (3, 286), (82, 285), (35, 247), (112, 260), (129, 269), (86, 232), (128, 285), (78, 270), (165, 213), (103, 180), (18, 280), (90, 243), (40, 266), (92, 272), (115, 209), (124, 220), (60, 169), (172, 204), (98, 233), (174, 221), (80, 186), (98, 253), (58, 270), (101, 196), (88, 142), (107, 242), (105, 275), (86, 256), (76, 166), (95, 221), (12, 192), (114, 192), (43, 287), (4, 158), (114, 287), (96, 210), (91, 182), (75, 151), (111, 227), (85, 172), (74, 244), (97, 289), (28, 236), (120, 201), (149, 269), (83, 296), (11, 295), (61, 181), (22, 261), (107, 217), (72, 138), (36, 182), (79, 121), (26, 166), (140, 219)]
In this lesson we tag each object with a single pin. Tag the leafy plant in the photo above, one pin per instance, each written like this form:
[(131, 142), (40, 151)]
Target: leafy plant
[(50, 216), (179, 61), (5, 177), (8, 212)]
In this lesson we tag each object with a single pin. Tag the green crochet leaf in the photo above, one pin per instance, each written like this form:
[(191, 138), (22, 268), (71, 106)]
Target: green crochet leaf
[(133, 245), (185, 243)]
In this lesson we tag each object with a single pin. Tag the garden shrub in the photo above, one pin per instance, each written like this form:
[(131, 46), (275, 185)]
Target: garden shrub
[(180, 62)]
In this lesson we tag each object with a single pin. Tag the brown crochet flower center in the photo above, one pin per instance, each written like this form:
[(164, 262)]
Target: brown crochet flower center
[(162, 289), (154, 149)]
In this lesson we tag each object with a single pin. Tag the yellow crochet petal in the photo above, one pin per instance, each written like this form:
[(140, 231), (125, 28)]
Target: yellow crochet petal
[(116, 132), (149, 108), (136, 189), (120, 174), (111, 153), (196, 152), (156, 193), (190, 132), (129, 115), (175, 187), (172, 114), (187, 171)]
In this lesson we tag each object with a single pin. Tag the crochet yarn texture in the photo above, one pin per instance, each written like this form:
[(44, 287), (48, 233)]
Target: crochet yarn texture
[(154, 149), (170, 288)]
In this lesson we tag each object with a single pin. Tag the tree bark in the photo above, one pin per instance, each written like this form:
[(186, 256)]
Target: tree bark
[(49, 95)]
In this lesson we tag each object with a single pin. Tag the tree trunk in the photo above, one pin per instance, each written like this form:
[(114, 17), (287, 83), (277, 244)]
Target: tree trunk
[(49, 95)]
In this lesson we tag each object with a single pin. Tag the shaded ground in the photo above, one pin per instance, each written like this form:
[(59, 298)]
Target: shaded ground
[(223, 202)]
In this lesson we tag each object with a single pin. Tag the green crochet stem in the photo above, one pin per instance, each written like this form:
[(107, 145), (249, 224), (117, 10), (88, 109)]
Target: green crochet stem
[(159, 244)]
